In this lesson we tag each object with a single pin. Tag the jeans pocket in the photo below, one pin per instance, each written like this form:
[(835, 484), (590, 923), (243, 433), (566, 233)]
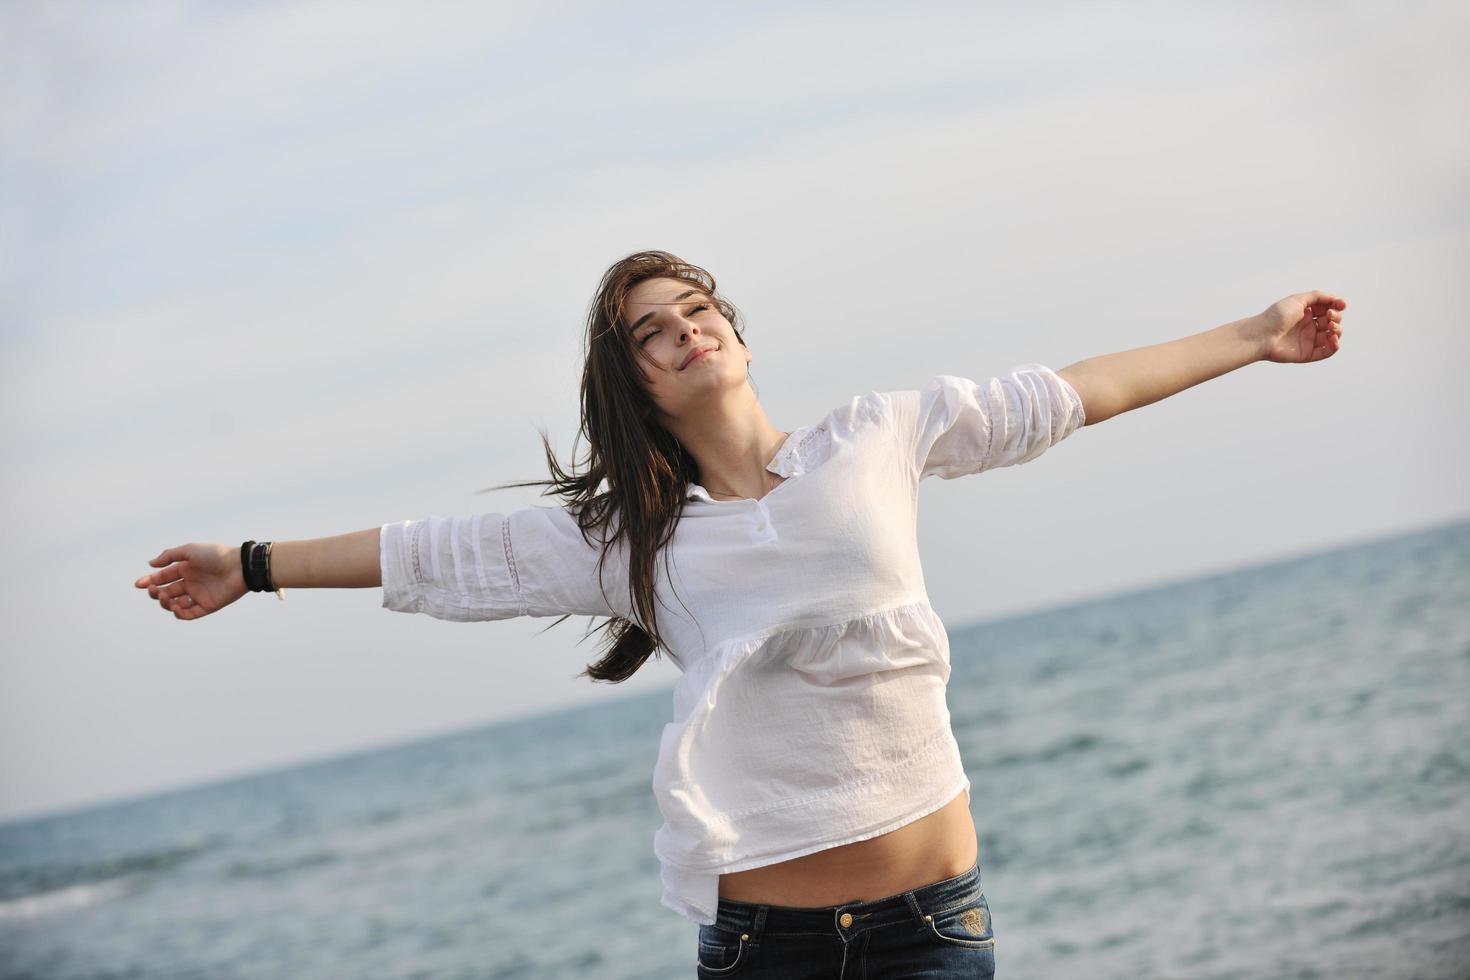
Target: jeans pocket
[(967, 924), (721, 952)]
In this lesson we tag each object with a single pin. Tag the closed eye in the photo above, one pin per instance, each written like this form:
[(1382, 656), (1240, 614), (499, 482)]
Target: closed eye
[(696, 309)]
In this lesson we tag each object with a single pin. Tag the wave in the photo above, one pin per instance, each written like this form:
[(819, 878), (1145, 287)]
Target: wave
[(40, 889), (70, 898)]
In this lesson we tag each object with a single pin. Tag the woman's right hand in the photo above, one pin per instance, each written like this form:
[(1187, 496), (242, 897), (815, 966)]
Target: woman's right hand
[(195, 580)]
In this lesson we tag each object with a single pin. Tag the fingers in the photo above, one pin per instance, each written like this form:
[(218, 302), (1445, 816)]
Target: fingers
[(172, 595), (170, 591), (184, 607), (157, 579), (1319, 302), (165, 556), (167, 585), (1328, 342)]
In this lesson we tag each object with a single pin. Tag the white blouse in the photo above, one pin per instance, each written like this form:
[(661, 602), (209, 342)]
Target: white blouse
[(810, 711)]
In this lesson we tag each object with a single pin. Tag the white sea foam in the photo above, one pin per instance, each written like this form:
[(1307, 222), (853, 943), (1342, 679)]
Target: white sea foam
[(69, 898)]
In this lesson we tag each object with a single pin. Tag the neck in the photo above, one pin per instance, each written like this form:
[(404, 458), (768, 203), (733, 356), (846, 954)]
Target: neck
[(732, 442)]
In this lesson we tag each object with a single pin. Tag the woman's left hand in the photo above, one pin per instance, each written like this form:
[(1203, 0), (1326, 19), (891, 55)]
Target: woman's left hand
[(1302, 327)]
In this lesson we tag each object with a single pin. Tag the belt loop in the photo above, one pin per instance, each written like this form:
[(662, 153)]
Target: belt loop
[(759, 926), (913, 904)]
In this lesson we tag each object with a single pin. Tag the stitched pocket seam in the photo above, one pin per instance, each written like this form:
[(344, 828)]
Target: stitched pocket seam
[(720, 971), (971, 943)]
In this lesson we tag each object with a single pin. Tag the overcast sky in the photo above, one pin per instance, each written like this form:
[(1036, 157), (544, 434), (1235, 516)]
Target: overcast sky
[(289, 270)]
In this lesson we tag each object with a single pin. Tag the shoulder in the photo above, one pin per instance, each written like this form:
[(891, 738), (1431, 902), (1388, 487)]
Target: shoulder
[(902, 408), (869, 410)]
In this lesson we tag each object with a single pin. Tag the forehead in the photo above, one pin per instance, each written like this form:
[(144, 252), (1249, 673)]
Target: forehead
[(651, 292)]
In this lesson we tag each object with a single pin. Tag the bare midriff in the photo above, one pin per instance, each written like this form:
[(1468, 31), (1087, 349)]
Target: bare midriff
[(934, 847)]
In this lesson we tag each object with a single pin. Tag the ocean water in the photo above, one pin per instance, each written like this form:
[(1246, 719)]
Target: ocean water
[(1264, 774)]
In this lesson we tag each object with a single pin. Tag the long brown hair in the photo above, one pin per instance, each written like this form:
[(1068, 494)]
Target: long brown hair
[(645, 468)]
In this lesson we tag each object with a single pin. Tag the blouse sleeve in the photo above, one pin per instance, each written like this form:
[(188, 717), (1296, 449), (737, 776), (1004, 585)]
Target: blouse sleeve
[(530, 562), (955, 426)]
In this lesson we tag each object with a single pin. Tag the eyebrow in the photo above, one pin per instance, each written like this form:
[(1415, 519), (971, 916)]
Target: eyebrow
[(684, 295)]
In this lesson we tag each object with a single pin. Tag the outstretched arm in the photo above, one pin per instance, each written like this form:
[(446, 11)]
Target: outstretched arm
[(197, 579), (535, 561), (1298, 329)]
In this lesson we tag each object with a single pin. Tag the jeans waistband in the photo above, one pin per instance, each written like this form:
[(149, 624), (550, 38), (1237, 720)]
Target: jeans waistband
[(853, 917)]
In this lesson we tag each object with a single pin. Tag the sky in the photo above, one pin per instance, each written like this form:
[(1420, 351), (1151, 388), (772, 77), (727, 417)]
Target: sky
[(278, 271)]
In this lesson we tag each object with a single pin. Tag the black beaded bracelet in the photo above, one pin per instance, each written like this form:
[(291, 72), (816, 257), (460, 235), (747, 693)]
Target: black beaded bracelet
[(245, 564), (255, 564)]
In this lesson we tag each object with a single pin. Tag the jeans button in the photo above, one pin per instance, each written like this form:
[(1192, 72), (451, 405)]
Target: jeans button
[(846, 919)]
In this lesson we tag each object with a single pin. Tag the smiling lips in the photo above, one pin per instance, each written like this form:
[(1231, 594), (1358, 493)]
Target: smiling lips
[(696, 353)]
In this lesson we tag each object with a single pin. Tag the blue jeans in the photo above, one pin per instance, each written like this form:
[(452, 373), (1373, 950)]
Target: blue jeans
[(940, 931)]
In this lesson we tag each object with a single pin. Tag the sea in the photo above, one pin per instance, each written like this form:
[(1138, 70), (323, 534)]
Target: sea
[(1263, 773)]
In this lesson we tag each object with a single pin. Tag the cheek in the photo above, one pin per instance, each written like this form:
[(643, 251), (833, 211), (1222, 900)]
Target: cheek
[(653, 377)]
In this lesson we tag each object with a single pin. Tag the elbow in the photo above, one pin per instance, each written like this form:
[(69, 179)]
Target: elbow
[(1100, 399)]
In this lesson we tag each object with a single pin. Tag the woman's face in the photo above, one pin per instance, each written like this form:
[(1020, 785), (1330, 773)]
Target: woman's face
[(674, 323)]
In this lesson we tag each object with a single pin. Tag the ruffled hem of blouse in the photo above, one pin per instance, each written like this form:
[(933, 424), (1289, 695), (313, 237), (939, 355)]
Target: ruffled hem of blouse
[(694, 848), (694, 893), (906, 634)]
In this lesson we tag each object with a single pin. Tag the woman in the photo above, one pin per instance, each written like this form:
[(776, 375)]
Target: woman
[(816, 811)]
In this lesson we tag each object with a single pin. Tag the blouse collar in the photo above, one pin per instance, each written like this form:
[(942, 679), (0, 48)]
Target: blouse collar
[(787, 462)]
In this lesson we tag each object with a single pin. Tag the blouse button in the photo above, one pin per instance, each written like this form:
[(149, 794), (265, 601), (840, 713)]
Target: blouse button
[(846, 919)]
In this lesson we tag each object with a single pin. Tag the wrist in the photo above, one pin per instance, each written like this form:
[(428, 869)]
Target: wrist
[(1254, 336), (236, 574)]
